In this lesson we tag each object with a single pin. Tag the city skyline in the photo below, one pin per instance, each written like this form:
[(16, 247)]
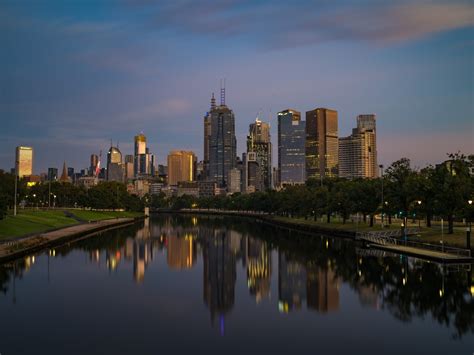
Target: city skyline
[(99, 73)]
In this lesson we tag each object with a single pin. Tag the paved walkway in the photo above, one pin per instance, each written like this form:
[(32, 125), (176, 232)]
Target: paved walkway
[(17, 248), (425, 253)]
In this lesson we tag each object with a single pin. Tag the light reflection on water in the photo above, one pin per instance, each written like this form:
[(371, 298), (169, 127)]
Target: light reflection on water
[(227, 283)]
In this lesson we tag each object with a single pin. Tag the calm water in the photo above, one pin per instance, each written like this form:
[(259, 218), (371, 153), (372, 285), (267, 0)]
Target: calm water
[(219, 285)]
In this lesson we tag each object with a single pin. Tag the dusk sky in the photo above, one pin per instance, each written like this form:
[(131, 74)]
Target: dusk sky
[(76, 74)]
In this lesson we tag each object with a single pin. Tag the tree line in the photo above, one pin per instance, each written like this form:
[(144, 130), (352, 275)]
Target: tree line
[(105, 195), (442, 191)]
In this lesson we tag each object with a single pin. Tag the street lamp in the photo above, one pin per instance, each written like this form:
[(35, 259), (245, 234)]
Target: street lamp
[(419, 219), (381, 175), (468, 229), (16, 192)]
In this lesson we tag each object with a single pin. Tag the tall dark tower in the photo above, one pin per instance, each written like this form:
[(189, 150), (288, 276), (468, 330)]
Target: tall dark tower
[(207, 137), (222, 142)]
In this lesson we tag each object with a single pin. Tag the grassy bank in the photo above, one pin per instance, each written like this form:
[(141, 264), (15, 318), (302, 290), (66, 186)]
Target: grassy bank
[(431, 235), (36, 221)]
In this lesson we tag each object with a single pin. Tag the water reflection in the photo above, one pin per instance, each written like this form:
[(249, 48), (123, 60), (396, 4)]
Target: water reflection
[(310, 272)]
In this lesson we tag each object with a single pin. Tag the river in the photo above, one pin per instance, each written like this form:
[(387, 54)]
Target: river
[(221, 285)]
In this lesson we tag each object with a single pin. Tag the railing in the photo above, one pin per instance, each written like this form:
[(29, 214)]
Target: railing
[(386, 233), (382, 240)]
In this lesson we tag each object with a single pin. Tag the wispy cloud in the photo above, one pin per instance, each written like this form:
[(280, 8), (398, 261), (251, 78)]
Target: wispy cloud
[(282, 24)]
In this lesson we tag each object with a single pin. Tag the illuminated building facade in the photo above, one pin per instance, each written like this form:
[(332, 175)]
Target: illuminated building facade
[(322, 145), (291, 148), (24, 161), (181, 167), (115, 170), (358, 152), (259, 142)]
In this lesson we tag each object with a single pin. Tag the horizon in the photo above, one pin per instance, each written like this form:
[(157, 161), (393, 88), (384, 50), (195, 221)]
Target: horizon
[(78, 75)]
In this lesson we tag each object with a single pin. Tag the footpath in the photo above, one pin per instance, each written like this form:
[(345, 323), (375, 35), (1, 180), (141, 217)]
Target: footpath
[(12, 249)]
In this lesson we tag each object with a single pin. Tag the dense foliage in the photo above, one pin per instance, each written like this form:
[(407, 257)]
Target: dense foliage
[(443, 191)]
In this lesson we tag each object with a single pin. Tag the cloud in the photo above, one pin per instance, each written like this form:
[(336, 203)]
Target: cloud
[(280, 24)]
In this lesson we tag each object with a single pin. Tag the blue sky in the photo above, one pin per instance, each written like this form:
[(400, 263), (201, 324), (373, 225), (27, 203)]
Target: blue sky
[(75, 74)]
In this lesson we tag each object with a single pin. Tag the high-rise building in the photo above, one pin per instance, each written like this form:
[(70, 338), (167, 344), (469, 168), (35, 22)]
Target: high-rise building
[(252, 173), (181, 166), (291, 147), (222, 143), (140, 150), (358, 152), (52, 174), (129, 168), (234, 181), (93, 166), (114, 165), (207, 139), (259, 141), (322, 152), (24, 161)]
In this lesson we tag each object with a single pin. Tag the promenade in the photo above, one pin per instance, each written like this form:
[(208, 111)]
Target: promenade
[(13, 249)]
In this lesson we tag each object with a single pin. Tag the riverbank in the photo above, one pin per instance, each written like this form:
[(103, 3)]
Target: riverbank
[(422, 250), (30, 222), (13, 249)]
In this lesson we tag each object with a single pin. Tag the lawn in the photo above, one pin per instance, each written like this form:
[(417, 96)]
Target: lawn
[(100, 215), (30, 221), (431, 235), (36, 221)]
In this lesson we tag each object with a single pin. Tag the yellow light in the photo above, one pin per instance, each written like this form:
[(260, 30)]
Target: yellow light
[(31, 183), (404, 281), (472, 290), (440, 293), (327, 244)]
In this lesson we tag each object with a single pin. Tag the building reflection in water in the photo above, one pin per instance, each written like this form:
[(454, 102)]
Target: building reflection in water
[(259, 268), (291, 283), (219, 274), (181, 251), (322, 287)]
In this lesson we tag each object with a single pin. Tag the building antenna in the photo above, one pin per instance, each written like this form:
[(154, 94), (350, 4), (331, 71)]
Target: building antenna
[(223, 92), (213, 102)]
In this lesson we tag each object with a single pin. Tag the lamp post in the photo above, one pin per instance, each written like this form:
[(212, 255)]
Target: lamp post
[(16, 192), (381, 176), (468, 229), (419, 219)]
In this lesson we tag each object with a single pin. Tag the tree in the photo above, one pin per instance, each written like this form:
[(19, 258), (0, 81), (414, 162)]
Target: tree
[(400, 186), (453, 187)]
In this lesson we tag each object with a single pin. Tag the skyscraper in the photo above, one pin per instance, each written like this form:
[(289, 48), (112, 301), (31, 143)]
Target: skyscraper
[(24, 161), (140, 150), (114, 165), (181, 166), (94, 161), (207, 139), (129, 167), (291, 147), (222, 143), (358, 152), (322, 150), (259, 142)]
